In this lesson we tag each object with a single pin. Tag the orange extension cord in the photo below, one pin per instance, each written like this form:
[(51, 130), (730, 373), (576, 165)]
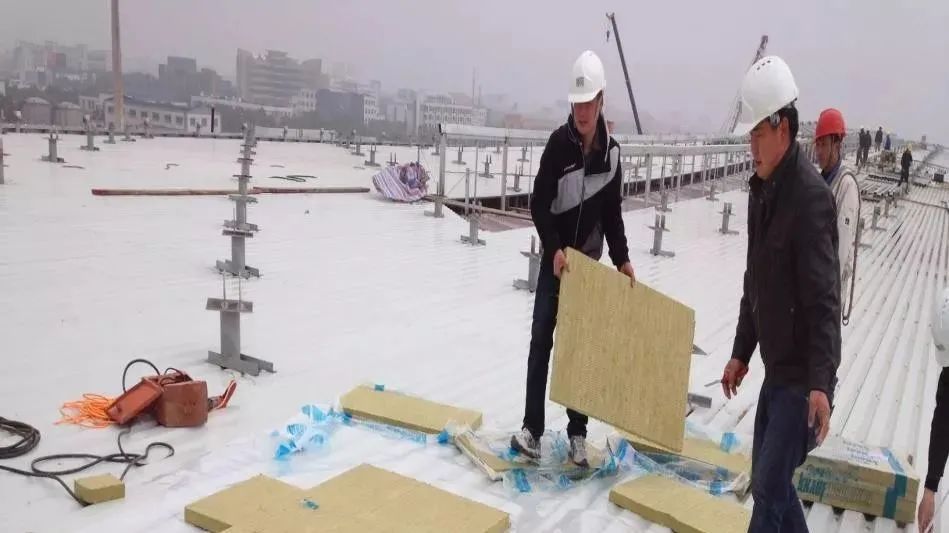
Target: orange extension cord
[(90, 411)]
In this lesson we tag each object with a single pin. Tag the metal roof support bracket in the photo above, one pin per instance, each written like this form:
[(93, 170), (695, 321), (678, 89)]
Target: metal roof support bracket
[(372, 157), (53, 155), (658, 229), (533, 268), (90, 145), (726, 214), (439, 195)]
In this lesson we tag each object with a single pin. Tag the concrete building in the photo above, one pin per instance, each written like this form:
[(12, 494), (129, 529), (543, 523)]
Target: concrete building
[(304, 101), (99, 61), (275, 78), (337, 107), (442, 109), (313, 73), (162, 115), (67, 115), (39, 64), (179, 79), (199, 119), (371, 111), (36, 111), (281, 112)]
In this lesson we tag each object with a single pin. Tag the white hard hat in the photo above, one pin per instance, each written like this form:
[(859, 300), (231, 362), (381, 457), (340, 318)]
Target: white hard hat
[(940, 327), (768, 86), (588, 78)]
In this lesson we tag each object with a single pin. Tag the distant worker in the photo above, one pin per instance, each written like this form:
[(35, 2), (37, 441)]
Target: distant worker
[(828, 143), (879, 138), (577, 202), (867, 143), (790, 305), (905, 163), (939, 433), (886, 143), (860, 148)]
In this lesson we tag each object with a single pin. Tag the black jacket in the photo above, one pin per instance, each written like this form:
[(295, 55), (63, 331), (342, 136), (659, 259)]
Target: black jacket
[(906, 161), (791, 300), (576, 203), (879, 137)]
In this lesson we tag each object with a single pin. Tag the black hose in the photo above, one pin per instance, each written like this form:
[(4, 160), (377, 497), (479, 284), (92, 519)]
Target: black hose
[(133, 362), (29, 438), (123, 457)]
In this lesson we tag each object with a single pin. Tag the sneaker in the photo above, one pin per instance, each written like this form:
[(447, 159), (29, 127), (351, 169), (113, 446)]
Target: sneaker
[(525, 443), (578, 451)]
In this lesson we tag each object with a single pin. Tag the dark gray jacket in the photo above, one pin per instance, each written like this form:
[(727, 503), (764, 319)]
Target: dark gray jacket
[(578, 200), (791, 300)]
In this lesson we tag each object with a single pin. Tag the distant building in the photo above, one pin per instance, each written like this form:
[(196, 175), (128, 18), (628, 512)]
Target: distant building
[(275, 78), (99, 61), (239, 105), (40, 64), (161, 115), (371, 111), (304, 101), (67, 115), (442, 109), (180, 79), (337, 107), (36, 111), (313, 74)]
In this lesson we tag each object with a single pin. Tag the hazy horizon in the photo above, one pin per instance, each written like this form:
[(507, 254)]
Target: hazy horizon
[(686, 59)]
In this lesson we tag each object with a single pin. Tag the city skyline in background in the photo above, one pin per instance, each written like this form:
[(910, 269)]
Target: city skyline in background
[(686, 60)]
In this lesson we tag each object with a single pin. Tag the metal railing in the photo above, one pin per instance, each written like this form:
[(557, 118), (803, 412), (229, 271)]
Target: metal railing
[(705, 163)]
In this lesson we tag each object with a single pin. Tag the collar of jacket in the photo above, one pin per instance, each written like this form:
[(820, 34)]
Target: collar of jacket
[(830, 175), (769, 189), (602, 136)]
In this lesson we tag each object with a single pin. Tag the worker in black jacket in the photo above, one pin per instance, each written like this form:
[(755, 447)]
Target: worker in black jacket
[(878, 140), (577, 202), (790, 306), (939, 430), (905, 163)]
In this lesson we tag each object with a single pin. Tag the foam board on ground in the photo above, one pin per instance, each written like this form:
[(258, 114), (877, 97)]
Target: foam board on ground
[(406, 411), (363, 499), (622, 354), (679, 507), (494, 466)]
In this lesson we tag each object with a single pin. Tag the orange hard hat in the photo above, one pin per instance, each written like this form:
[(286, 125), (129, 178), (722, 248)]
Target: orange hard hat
[(830, 122)]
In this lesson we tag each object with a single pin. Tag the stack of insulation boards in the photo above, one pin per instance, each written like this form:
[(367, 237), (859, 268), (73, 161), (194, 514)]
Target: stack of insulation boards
[(867, 479)]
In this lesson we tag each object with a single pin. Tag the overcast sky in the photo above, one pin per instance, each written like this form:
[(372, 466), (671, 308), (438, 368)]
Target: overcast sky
[(881, 63)]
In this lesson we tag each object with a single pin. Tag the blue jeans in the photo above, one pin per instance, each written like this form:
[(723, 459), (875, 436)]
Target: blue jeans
[(782, 441), (546, 300)]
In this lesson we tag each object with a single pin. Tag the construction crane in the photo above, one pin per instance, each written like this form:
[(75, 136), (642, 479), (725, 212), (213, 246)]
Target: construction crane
[(732, 120), (622, 59)]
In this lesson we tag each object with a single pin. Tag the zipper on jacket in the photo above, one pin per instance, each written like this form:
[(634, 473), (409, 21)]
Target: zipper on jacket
[(583, 188)]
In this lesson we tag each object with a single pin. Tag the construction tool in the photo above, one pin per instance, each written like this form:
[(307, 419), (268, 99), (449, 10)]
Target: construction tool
[(173, 397)]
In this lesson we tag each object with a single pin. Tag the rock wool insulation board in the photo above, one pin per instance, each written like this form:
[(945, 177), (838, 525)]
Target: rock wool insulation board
[(855, 476), (622, 354), (364, 499), (406, 411), (680, 507)]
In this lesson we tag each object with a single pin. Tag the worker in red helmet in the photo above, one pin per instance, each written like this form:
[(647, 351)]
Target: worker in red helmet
[(828, 141)]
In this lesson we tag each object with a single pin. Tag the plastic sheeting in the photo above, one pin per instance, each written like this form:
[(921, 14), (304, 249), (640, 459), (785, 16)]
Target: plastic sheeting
[(402, 183)]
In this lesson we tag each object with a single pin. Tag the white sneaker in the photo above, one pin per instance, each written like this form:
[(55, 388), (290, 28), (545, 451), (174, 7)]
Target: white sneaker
[(525, 443), (578, 451)]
